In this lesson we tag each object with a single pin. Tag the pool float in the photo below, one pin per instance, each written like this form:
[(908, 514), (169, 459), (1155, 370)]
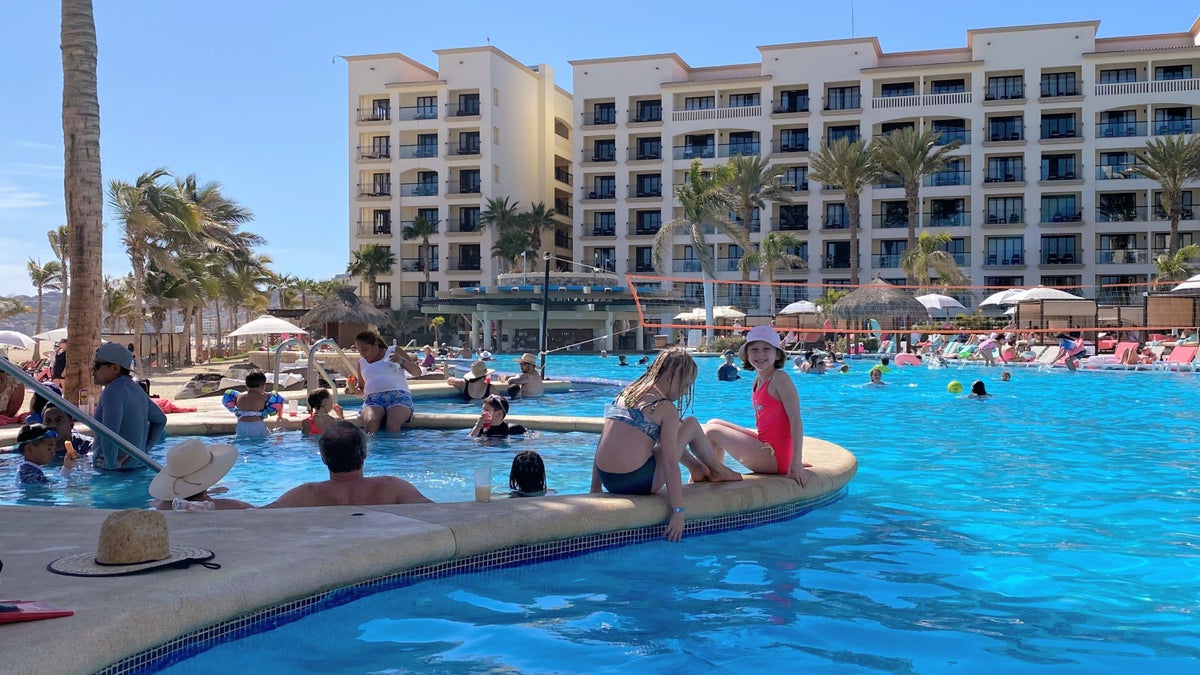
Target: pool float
[(907, 360), (955, 387)]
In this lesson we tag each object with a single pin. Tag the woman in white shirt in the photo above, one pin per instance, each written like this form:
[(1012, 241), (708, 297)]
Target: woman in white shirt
[(387, 401)]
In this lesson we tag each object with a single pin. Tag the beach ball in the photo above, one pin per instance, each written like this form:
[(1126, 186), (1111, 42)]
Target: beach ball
[(955, 387)]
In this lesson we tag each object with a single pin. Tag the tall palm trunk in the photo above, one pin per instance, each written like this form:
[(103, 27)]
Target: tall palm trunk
[(709, 292), (853, 211), (84, 190), (136, 321), (62, 300), (912, 196)]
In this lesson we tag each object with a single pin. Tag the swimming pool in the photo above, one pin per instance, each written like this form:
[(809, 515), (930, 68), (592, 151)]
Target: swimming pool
[(1052, 526)]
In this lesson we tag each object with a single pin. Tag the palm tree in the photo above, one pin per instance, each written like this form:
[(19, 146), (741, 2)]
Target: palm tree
[(909, 155), (930, 252), (510, 244), (156, 222), (537, 220), (59, 245), (83, 188), (498, 213), (773, 257), (704, 203), (369, 262), (118, 307), (1178, 266), (436, 324), (753, 181), (851, 166), (304, 287), (422, 228), (1172, 162), (44, 277)]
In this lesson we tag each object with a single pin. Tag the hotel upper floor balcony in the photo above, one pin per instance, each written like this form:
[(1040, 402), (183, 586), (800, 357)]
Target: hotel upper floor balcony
[(418, 189), (1117, 172), (949, 177), (735, 149), (1122, 256), (1148, 87), (695, 151), (416, 112), (368, 229), (915, 100), (717, 113)]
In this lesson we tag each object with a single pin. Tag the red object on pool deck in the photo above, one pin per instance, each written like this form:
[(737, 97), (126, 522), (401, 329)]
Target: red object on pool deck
[(29, 610)]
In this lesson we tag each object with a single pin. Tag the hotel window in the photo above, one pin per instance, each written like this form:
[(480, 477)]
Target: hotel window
[(380, 147), (1058, 167), (793, 100), (947, 213), (649, 148), (793, 217), (429, 290), (426, 108), (604, 113), (1059, 250), (950, 130), (795, 177), (1117, 207), (649, 185), (468, 181), (430, 215), (1006, 210), (1006, 128), (699, 103), (1116, 75), (649, 111), (468, 219), (381, 109), (1004, 251), (836, 216), (837, 255), (643, 259), (793, 140), (604, 150), (468, 257), (743, 143), (848, 132), (1173, 72), (743, 100), (605, 187), (1004, 282), (1059, 125), (800, 250), (888, 127), (957, 247), (604, 223), (648, 222), (381, 184), (1059, 84), (468, 143), (1172, 121), (897, 89), (1010, 86), (382, 222), (948, 86), (1059, 208), (468, 104), (843, 98), (427, 145), (1118, 123), (383, 291)]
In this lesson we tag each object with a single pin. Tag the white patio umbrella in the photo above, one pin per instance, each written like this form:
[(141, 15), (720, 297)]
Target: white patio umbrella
[(267, 325), (1192, 284), (55, 335), (689, 316), (722, 312), (1001, 297), (16, 339), (934, 301), (800, 307), (1042, 293)]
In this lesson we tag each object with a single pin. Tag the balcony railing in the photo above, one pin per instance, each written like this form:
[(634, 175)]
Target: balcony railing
[(739, 149), (454, 149), (645, 116), (374, 190), (462, 225), (889, 220), (1148, 87), (1171, 127), (599, 193), (463, 187), (1070, 132), (1122, 256), (885, 260), (603, 118), (636, 230), (1050, 91), (1067, 174), (418, 189), (462, 264), (794, 144), (374, 152), (602, 230), (1120, 214), (962, 258), (716, 113), (367, 228), (793, 224), (836, 223), (1186, 213), (416, 112), (643, 154), (562, 175), (960, 219), (644, 192), (1010, 174), (418, 264), (1061, 217), (1006, 259), (959, 177), (799, 106), (890, 182), (686, 265), (563, 207), (885, 102), (1120, 129), (1117, 172), (729, 264), (468, 109), (416, 151), (607, 154), (1062, 259), (695, 151), (411, 223), (963, 136), (1002, 218), (635, 267), (795, 186), (1015, 94), (374, 115), (997, 136), (831, 262)]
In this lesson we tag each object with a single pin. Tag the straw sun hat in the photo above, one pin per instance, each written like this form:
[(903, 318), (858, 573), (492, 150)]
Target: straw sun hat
[(131, 541), (479, 370), (527, 358), (192, 467)]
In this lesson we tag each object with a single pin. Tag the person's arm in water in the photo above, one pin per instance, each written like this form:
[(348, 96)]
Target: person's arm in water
[(669, 438)]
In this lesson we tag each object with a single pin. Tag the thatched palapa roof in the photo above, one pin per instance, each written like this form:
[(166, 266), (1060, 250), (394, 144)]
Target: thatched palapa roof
[(891, 306), (345, 307)]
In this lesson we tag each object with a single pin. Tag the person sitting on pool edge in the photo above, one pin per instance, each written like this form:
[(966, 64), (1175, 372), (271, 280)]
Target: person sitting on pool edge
[(343, 449), (529, 382), (491, 419), (475, 384)]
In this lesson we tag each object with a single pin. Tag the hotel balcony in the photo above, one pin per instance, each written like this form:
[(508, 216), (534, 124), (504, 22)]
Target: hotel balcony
[(1148, 87), (374, 115), (915, 100), (416, 151), (792, 224), (562, 175), (954, 177), (1172, 127), (959, 219), (1120, 129), (716, 114), (635, 230), (372, 230), (1117, 172), (460, 110), (462, 264), (963, 136), (796, 186), (454, 149), (885, 260), (418, 189), (373, 191), (645, 154), (1063, 175), (593, 194), (645, 117), (416, 112), (1060, 217), (1054, 259), (604, 118), (644, 192), (373, 152), (1002, 218), (418, 264), (739, 149), (1004, 260), (685, 265), (695, 151), (410, 223), (1012, 174), (1122, 256), (462, 187), (603, 156), (462, 226), (599, 231)]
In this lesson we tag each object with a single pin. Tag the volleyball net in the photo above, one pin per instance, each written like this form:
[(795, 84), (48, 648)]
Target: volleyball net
[(815, 311)]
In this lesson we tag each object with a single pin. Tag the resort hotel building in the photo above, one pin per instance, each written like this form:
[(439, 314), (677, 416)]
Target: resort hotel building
[(1040, 191)]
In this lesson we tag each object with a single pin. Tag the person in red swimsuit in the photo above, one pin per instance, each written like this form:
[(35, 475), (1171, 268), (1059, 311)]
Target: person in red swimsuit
[(323, 409), (777, 444)]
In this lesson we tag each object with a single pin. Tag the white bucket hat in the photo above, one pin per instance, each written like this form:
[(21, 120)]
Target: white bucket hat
[(760, 334), (191, 468)]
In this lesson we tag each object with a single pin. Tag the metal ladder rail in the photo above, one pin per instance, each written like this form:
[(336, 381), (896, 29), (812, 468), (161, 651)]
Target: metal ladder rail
[(63, 404), (313, 363), (279, 362)]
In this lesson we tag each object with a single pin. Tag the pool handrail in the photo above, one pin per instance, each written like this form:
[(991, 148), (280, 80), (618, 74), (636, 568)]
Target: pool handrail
[(70, 408), (314, 364), (279, 362)]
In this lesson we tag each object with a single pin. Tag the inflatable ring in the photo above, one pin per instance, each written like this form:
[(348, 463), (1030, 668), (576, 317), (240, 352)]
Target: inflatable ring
[(908, 360), (954, 387)]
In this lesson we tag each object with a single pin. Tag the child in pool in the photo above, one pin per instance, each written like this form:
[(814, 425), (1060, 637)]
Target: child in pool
[(36, 443), (253, 406), (491, 419), (644, 440), (876, 376), (978, 390), (777, 444), (527, 477), (322, 410)]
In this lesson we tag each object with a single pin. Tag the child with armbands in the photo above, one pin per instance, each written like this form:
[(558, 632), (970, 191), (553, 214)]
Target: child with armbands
[(253, 406)]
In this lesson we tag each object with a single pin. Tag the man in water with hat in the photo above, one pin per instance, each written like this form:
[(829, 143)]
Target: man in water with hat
[(124, 407), (529, 382)]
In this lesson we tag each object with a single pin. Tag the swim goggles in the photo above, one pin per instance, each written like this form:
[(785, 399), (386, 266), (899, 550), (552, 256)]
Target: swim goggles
[(48, 433)]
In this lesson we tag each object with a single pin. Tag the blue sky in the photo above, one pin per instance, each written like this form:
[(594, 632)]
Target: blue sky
[(249, 92)]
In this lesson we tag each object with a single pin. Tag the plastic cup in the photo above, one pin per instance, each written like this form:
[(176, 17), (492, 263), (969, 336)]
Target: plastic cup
[(293, 407), (483, 484)]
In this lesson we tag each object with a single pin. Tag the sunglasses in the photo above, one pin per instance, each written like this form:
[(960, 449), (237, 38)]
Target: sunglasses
[(97, 365)]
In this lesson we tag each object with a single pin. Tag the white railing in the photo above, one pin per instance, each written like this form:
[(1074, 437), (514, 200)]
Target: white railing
[(1148, 87), (716, 113), (883, 102)]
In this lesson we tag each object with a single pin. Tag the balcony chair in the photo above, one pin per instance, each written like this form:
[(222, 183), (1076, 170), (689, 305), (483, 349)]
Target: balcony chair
[(1014, 218), (1017, 259), (991, 259)]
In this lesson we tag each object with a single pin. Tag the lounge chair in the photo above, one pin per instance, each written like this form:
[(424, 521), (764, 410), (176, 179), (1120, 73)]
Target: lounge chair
[(1181, 357)]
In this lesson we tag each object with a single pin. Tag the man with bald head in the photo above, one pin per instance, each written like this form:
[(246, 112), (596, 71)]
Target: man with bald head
[(344, 450)]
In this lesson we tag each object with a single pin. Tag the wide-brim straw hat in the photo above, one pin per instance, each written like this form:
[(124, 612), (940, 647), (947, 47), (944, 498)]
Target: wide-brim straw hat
[(192, 467), (131, 541), (760, 334), (527, 358), (479, 370)]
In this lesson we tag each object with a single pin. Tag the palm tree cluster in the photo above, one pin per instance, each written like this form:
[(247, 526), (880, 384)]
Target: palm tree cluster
[(517, 232)]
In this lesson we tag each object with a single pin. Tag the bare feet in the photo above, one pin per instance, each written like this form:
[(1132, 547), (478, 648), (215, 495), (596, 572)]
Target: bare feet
[(724, 474), (700, 473)]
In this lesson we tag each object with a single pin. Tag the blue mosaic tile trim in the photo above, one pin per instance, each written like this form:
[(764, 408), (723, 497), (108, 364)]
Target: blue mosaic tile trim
[(187, 646)]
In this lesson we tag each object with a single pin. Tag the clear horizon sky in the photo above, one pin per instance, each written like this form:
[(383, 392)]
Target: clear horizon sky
[(251, 93)]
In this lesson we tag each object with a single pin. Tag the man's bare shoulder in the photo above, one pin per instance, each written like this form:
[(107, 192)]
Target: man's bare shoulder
[(398, 490)]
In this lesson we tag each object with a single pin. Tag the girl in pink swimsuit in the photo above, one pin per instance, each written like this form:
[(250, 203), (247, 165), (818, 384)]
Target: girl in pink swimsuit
[(777, 444)]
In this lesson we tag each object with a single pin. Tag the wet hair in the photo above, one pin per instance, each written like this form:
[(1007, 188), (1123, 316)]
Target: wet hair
[(370, 337), (317, 399), (497, 401), (28, 434), (673, 363), (38, 403), (978, 389), (885, 360), (528, 472), (256, 379), (343, 447)]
